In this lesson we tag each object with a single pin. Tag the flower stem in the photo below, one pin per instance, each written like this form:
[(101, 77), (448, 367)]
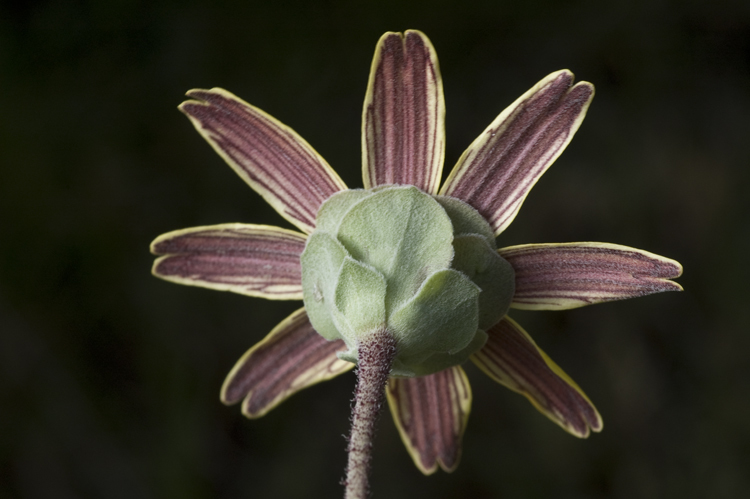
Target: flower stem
[(374, 361)]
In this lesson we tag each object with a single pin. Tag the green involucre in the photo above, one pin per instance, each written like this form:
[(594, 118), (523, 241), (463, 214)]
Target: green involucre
[(425, 269)]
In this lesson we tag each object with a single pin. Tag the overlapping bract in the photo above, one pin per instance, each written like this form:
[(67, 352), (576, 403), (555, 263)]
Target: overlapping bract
[(403, 143), (394, 259)]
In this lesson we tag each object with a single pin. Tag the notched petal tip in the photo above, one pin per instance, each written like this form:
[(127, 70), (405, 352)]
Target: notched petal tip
[(198, 96), (511, 358), (561, 276), (431, 413), (497, 171), (268, 155), (403, 131), (201, 99), (292, 357)]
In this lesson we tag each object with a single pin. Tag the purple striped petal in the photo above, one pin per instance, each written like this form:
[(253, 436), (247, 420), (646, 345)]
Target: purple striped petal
[(253, 260), (292, 357), (511, 358), (403, 132), (571, 275), (497, 171), (267, 154), (431, 413)]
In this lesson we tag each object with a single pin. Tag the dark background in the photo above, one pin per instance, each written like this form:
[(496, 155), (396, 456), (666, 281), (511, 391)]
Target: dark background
[(109, 378)]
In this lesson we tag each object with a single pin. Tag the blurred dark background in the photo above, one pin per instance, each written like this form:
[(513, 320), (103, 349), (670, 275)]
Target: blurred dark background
[(109, 378)]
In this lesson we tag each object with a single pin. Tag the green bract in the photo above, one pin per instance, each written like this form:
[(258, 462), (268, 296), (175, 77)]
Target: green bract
[(423, 268)]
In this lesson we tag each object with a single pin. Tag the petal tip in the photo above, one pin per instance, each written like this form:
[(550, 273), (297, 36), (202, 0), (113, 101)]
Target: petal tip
[(155, 267), (153, 247), (674, 286), (197, 98), (224, 397), (450, 468), (390, 36), (417, 34), (511, 358), (426, 471), (599, 425), (248, 412), (677, 269)]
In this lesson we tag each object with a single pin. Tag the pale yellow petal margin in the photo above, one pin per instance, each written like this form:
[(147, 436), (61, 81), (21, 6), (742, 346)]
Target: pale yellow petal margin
[(431, 414), (403, 118), (271, 157), (559, 276), (496, 185), (292, 357), (252, 260), (541, 395)]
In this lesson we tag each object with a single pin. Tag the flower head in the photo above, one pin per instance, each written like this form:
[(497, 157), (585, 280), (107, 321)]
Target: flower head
[(404, 254)]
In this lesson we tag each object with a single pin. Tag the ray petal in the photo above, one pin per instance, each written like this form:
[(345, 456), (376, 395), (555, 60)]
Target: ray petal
[(511, 358), (403, 132), (431, 413), (292, 357), (570, 275), (497, 171), (253, 260), (279, 164)]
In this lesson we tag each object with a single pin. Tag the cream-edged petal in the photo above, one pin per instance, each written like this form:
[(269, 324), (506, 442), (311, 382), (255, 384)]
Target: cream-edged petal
[(253, 260), (431, 413), (292, 357), (570, 275), (279, 164), (403, 121), (511, 358), (497, 171)]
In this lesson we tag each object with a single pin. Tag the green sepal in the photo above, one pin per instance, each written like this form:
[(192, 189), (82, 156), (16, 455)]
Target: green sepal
[(321, 265), (423, 268), (334, 208), (439, 361), (441, 317), (465, 219), (488, 270), (403, 233), (360, 298)]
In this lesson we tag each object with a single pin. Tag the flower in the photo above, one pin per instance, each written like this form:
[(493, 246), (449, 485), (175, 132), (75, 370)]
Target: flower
[(403, 145)]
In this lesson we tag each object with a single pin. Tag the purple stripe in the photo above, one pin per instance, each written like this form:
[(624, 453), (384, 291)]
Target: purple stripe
[(499, 175), (259, 146), (222, 128), (587, 273), (431, 415), (508, 353), (402, 128), (250, 259), (281, 364)]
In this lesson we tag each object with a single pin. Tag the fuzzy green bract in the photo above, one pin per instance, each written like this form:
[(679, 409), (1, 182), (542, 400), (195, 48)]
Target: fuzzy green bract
[(423, 268)]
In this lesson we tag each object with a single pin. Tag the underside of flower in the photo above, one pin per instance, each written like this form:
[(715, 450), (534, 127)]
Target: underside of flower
[(424, 269), (405, 273)]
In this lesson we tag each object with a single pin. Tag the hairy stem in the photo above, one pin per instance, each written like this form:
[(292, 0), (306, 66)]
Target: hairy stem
[(374, 361)]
